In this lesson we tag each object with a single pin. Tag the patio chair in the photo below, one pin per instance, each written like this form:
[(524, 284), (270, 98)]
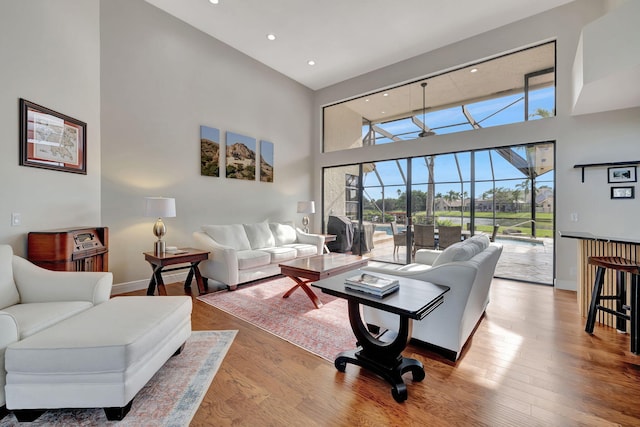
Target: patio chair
[(424, 237), (448, 235), (399, 238)]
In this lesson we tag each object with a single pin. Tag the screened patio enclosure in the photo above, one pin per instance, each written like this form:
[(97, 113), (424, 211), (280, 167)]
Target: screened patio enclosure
[(511, 188)]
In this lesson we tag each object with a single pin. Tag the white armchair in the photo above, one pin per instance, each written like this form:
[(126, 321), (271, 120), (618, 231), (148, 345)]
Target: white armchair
[(33, 299), (467, 269)]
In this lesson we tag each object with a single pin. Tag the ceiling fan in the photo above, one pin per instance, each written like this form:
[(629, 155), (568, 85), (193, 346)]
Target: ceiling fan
[(424, 132)]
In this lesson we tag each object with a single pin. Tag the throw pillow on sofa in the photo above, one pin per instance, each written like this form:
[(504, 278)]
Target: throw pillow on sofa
[(284, 234), (233, 236), (463, 251), (259, 235)]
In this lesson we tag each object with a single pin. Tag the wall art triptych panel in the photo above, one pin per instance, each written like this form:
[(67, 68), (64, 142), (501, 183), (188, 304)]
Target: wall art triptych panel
[(209, 151)]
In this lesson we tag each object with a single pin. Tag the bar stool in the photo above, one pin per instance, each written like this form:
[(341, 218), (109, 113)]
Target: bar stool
[(622, 266)]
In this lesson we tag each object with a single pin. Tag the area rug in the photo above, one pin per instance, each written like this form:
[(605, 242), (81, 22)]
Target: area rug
[(170, 398), (324, 331)]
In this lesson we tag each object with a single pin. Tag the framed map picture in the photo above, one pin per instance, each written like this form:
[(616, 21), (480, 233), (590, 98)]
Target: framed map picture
[(266, 161), (51, 140)]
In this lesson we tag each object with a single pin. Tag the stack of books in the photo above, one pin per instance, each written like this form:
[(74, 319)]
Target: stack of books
[(371, 284)]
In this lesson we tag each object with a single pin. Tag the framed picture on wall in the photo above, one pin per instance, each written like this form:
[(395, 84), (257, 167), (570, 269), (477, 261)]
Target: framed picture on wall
[(622, 192), (622, 174), (51, 140)]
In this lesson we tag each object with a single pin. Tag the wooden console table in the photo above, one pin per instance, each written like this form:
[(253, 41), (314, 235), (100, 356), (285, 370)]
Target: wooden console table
[(414, 300)]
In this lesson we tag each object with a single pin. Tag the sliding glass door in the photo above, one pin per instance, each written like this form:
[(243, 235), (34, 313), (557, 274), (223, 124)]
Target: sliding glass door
[(506, 193)]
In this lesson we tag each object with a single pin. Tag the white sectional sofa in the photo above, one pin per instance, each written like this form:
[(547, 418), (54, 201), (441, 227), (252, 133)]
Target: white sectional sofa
[(65, 344), (467, 268), (241, 253)]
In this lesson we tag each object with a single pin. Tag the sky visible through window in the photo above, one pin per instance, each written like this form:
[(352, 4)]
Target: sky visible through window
[(488, 113)]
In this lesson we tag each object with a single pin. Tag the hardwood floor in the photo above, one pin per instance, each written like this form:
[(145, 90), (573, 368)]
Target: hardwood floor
[(529, 363)]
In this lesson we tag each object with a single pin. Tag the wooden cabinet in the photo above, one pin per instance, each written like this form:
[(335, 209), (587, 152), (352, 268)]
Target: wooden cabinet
[(70, 249)]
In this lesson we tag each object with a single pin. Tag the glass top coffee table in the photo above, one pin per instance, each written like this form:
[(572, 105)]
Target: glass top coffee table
[(415, 299), (306, 270)]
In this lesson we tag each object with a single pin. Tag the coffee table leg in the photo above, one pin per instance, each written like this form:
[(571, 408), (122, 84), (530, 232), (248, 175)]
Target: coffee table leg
[(384, 359), (307, 290)]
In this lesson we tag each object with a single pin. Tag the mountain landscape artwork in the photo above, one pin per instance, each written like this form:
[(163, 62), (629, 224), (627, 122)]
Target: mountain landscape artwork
[(241, 156), (209, 151), (266, 161)]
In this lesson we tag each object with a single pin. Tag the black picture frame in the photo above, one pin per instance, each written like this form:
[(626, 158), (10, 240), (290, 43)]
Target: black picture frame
[(51, 140), (621, 174), (623, 192)]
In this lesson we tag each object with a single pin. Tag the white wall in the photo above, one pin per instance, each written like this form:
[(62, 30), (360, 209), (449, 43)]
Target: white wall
[(161, 80), (50, 55), (611, 136)]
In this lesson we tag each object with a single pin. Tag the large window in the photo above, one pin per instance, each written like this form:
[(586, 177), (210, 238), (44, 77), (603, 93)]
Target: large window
[(512, 88), (506, 192)]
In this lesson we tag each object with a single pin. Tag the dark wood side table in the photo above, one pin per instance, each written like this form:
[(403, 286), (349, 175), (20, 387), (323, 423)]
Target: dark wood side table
[(414, 300), (159, 262)]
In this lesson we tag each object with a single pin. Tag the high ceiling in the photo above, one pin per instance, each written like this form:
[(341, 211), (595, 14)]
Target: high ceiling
[(345, 38)]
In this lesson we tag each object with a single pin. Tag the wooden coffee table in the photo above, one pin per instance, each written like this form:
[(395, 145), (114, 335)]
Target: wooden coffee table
[(306, 270)]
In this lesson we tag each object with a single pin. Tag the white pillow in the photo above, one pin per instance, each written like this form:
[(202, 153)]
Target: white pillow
[(461, 251), (229, 235), (259, 235), (284, 234)]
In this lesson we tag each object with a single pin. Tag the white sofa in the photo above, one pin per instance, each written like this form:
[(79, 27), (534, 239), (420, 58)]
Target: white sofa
[(467, 268), (65, 344), (241, 253), (33, 299)]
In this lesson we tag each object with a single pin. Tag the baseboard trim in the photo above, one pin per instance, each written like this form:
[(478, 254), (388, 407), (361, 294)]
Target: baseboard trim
[(121, 288)]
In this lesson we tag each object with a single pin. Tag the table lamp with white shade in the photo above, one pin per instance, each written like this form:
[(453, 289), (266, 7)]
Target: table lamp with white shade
[(160, 207), (306, 207)]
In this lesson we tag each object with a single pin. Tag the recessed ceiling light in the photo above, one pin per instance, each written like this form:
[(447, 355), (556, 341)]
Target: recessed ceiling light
[(366, 100), (213, 1), (311, 62), (386, 94), (271, 37), (473, 70), (382, 112)]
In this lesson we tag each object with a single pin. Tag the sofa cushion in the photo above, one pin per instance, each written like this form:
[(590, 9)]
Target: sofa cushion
[(280, 254), (284, 234), (303, 249), (259, 235), (233, 235), (251, 259), (35, 317), (461, 251)]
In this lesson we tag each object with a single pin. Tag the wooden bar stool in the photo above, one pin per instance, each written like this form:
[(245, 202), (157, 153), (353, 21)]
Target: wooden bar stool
[(622, 266)]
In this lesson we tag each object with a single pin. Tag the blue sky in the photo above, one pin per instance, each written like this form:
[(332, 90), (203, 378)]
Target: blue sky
[(446, 169)]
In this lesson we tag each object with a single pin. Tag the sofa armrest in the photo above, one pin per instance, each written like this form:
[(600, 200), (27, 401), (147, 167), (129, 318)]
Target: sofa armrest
[(426, 256), (8, 330), (222, 264), (36, 284), (311, 239)]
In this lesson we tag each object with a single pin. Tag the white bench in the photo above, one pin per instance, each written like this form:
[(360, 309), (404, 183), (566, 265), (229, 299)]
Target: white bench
[(101, 357)]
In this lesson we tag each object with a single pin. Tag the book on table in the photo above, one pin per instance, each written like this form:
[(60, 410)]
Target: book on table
[(371, 284)]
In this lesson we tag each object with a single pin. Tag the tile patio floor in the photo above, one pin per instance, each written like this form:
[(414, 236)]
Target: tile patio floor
[(520, 260)]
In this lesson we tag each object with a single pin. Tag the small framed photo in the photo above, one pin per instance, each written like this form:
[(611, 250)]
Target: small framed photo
[(622, 174), (51, 140), (622, 192)]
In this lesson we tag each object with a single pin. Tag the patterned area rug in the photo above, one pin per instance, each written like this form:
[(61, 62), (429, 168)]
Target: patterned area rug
[(325, 331), (170, 398)]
